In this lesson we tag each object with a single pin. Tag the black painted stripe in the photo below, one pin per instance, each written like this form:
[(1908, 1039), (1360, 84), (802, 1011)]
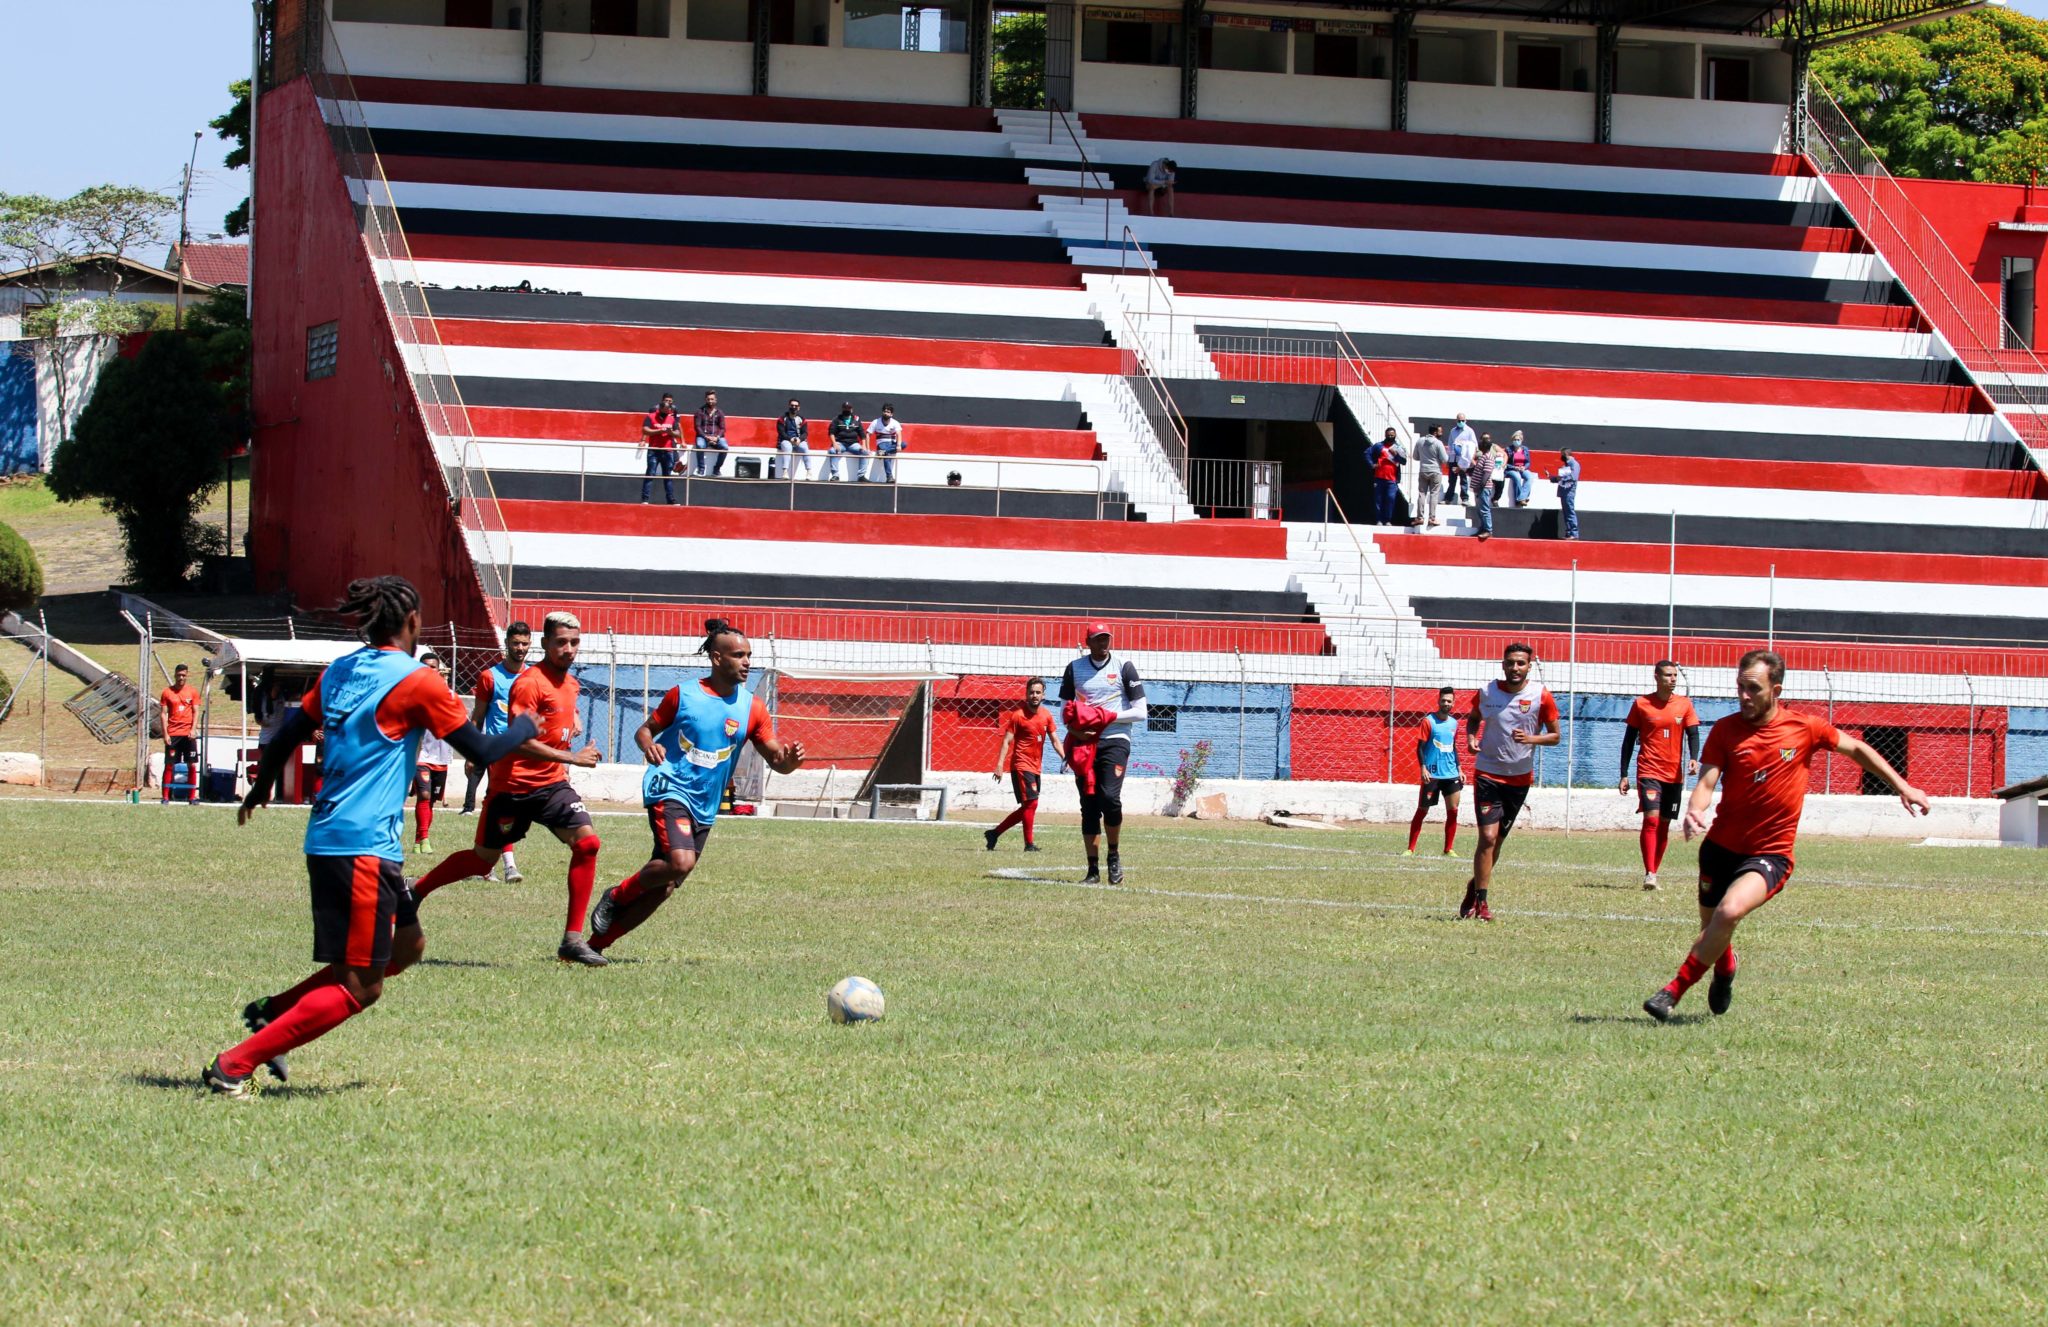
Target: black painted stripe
[(763, 403), (859, 165), (813, 495), (1857, 625), (1734, 446), (1629, 527)]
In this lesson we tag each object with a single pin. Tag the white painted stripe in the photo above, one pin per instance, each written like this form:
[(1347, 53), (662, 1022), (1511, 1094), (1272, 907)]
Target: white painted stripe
[(913, 468), (720, 208), (1845, 504), (779, 374), (667, 129), (1642, 412), (896, 569)]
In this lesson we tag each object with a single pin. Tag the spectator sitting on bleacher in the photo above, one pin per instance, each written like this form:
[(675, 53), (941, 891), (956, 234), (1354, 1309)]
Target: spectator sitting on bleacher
[(659, 433), (847, 430), (1159, 178), (1520, 480), (887, 435), (711, 446), (792, 442)]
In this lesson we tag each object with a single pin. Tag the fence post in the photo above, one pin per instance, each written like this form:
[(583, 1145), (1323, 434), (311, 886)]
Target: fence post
[(1571, 732), (1970, 742), (142, 703), (611, 727), (1671, 594), (43, 716), (1240, 711), (1393, 668), (1771, 617), (1828, 677)]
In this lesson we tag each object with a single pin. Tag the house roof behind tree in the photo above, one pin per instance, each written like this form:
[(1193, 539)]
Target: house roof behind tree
[(212, 263)]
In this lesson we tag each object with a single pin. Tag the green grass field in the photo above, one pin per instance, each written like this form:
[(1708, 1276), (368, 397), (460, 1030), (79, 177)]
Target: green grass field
[(1285, 1087)]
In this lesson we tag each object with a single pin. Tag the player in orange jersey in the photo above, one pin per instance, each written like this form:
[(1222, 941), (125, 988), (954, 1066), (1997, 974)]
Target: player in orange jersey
[(1023, 757), (1657, 720), (1760, 758)]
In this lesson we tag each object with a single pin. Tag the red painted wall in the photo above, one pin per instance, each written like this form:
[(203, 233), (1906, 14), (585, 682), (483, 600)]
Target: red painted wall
[(1966, 215), (344, 481)]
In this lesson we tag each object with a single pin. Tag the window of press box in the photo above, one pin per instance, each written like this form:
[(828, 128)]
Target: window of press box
[(874, 25), (790, 22), (1162, 718), (1344, 55), (1250, 50), (322, 345), (1121, 42)]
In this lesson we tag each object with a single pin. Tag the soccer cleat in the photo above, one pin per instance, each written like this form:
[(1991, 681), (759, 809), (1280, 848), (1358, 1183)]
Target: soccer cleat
[(1409, 853), (221, 1085), (1720, 992), (255, 1019), (988, 836), (425, 848), (1660, 1005), (1471, 902), (601, 915), (1650, 880), (1116, 869), (1449, 853), (579, 951), (1032, 847), (513, 875), (1482, 913), (1094, 876)]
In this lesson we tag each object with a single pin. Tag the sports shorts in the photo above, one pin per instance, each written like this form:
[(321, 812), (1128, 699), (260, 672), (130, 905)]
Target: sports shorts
[(185, 749), (1110, 759), (1498, 803), (1720, 867), (356, 903), (1659, 796), (507, 816), (1435, 788), (675, 828), (1025, 783), (430, 784)]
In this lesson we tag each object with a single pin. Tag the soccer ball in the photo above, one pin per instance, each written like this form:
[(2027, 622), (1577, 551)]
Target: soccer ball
[(855, 1000)]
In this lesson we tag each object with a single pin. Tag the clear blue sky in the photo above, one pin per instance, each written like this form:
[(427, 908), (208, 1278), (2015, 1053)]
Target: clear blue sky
[(170, 63)]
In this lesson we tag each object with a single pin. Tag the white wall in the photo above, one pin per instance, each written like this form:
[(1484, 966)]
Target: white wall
[(1108, 89), (1347, 103), (579, 61), (1724, 126), (472, 55), (920, 78), (1444, 108)]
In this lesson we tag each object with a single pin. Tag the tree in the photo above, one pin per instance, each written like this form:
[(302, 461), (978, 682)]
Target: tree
[(1962, 99), (21, 577), (149, 446), (232, 126), (1017, 73), (71, 249)]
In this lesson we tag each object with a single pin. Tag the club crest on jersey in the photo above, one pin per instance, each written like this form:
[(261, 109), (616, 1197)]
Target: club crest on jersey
[(732, 727), (1787, 752)]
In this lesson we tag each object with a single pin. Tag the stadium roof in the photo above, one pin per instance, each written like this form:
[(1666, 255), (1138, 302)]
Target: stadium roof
[(1818, 22)]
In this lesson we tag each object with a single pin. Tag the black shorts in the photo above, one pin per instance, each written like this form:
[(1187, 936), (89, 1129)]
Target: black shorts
[(1110, 759), (1720, 866), (429, 785), (178, 749), (674, 828), (356, 903), (1025, 784), (1498, 803), (1656, 795), (1435, 788), (507, 816)]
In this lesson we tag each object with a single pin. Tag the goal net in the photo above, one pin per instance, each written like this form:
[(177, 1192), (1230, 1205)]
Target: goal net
[(859, 729)]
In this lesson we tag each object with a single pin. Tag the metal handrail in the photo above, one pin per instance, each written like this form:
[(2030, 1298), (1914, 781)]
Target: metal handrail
[(1365, 563), (1153, 280), (1102, 185)]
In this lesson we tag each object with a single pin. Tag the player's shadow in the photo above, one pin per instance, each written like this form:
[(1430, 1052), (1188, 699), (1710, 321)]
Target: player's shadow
[(1638, 1020), (457, 963), (190, 1084)]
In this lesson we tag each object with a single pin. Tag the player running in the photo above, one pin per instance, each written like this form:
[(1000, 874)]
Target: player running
[(1657, 719), (430, 784), (1115, 687), (1509, 720), (529, 787), (374, 704), (692, 742), (1764, 752), (1023, 757), (1436, 750), (490, 713)]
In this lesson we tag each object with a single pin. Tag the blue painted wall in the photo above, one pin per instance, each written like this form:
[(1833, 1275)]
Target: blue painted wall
[(2026, 744), (18, 454)]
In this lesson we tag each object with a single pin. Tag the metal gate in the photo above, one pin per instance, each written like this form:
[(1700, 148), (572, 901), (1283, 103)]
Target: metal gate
[(1060, 20)]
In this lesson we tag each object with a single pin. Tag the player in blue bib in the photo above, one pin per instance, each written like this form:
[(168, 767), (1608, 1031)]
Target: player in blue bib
[(373, 705), (691, 741), (1436, 752), (491, 712)]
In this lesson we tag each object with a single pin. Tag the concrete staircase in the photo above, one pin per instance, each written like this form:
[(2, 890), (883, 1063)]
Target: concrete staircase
[(1080, 211), (1371, 624), (1138, 465)]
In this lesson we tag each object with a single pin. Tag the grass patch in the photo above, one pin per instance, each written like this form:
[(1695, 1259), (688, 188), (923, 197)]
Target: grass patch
[(1321, 1099)]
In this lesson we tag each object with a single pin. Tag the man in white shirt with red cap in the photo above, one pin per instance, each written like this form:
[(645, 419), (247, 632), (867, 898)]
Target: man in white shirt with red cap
[(1509, 720)]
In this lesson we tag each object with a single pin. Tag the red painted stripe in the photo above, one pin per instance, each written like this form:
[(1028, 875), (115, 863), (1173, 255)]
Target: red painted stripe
[(759, 262), (1256, 540), (1809, 476), (1928, 398), (1713, 653), (624, 426), (1353, 290), (1004, 627), (1386, 142), (683, 105), (1903, 569), (758, 345)]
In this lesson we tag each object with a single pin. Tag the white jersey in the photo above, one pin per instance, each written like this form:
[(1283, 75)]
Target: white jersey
[(1114, 686), (1504, 713), (435, 752)]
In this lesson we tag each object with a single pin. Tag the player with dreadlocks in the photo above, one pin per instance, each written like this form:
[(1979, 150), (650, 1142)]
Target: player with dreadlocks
[(374, 704), (692, 742)]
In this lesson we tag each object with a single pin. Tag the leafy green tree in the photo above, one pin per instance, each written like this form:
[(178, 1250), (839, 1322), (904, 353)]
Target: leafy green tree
[(1017, 72), (232, 126), (21, 577), (219, 330), (1962, 99), (148, 446)]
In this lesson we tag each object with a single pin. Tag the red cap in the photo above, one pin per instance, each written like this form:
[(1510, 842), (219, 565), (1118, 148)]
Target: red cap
[(1096, 629)]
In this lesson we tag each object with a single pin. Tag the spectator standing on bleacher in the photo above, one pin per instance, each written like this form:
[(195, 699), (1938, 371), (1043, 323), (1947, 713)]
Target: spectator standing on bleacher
[(1567, 481), (1386, 459), (792, 440), (1520, 480), (1431, 459), (660, 431), (847, 429), (711, 446), (1483, 462), (887, 435), (1463, 442), (1159, 178)]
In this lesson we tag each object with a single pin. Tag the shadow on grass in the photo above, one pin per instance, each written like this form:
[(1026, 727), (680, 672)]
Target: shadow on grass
[(1641, 1020), (190, 1083), (457, 963)]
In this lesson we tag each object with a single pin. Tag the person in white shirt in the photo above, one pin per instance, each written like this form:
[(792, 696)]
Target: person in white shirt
[(1463, 444), (1113, 685), (885, 436), (1159, 178)]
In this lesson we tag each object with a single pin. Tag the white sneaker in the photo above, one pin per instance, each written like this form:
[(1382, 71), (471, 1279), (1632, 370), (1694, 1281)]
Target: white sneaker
[(1650, 880), (512, 874)]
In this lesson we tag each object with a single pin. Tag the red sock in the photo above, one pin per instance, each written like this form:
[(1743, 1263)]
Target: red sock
[(1663, 841), (627, 915), (1451, 830), (423, 819), (319, 1011), (1724, 966), (582, 879), (275, 1006), (1030, 810), (628, 890), (1015, 817), (1689, 972), (1415, 827), (461, 866)]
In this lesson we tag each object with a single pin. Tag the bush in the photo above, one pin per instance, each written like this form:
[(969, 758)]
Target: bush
[(21, 576)]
